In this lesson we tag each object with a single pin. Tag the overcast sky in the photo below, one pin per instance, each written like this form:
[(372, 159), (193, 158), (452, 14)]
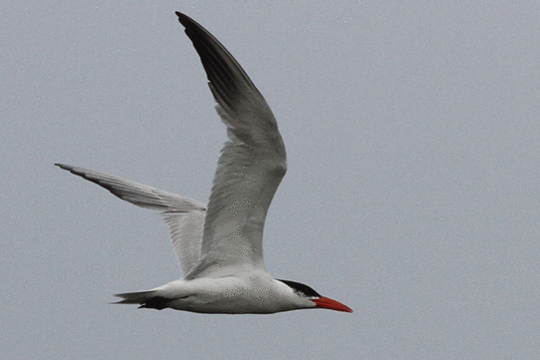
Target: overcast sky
[(412, 196)]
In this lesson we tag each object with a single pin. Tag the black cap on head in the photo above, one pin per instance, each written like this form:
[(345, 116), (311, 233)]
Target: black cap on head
[(301, 289)]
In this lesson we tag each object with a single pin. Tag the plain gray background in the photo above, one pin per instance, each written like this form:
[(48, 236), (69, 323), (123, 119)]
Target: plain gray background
[(412, 194)]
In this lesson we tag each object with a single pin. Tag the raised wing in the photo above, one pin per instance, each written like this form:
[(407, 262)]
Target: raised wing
[(184, 216), (250, 167)]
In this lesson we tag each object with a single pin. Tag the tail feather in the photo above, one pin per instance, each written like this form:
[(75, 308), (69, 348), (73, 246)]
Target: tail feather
[(137, 297), (147, 299)]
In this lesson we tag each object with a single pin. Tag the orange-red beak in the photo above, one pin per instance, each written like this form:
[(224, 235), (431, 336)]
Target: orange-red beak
[(328, 303)]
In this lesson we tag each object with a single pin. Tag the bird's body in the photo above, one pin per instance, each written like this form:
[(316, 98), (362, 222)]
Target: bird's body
[(220, 246), (256, 293)]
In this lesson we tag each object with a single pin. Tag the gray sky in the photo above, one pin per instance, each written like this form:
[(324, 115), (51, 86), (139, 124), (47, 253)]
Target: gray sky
[(412, 194)]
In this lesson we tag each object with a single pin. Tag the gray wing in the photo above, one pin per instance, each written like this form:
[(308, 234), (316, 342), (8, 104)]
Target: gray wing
[(250, 168), (184, 216)]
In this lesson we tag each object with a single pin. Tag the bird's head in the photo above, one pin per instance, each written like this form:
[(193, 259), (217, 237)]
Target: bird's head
[(307, 293)]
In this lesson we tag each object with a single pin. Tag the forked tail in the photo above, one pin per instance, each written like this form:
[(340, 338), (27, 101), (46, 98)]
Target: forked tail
[(146, 299)]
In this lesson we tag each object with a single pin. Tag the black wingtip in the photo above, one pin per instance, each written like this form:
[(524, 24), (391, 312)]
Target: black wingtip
[(183, 18), (190, 24)]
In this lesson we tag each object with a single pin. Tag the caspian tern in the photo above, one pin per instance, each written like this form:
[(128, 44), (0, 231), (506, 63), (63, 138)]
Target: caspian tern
[(220, 246)]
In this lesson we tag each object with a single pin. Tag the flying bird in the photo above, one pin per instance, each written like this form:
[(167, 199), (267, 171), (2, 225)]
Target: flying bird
[(220, 245)]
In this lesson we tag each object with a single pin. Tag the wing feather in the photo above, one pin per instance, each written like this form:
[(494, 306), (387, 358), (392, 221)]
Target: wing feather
[(250, 168), (184, 216)]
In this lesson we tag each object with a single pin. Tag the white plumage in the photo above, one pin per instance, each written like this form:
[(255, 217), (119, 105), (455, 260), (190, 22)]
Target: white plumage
[(220, 246)]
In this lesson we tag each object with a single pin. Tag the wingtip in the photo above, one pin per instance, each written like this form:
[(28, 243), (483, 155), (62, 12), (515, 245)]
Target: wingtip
[(187, 22), (62, 166), (69, 168), (182, 17)]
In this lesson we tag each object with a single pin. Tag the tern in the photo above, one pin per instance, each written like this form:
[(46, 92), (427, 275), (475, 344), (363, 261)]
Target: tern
[(220, 245)]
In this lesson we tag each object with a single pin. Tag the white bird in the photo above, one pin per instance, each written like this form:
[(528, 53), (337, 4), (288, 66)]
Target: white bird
[(220, 246)]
